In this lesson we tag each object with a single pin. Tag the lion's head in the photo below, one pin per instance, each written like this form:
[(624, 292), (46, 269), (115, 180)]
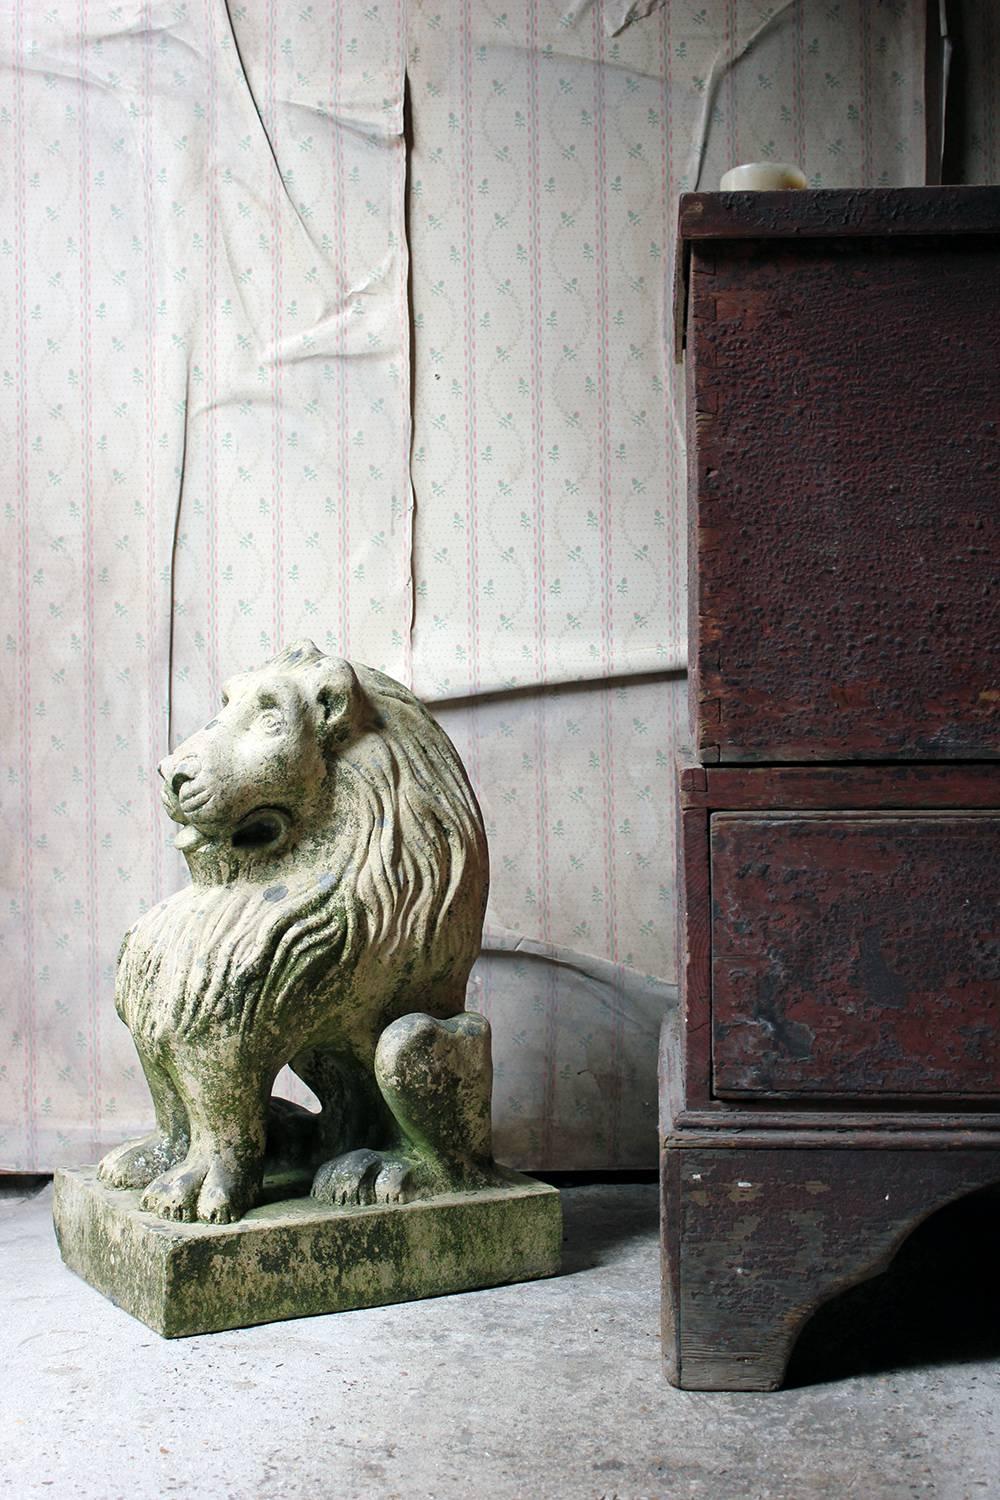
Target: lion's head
[(317, 769), (257, 771)]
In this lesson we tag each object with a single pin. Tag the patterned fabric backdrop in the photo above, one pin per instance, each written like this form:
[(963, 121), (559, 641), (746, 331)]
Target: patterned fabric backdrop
[(223, 263)]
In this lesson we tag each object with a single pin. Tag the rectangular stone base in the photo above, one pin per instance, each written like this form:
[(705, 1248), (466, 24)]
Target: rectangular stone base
[(295, 1258)]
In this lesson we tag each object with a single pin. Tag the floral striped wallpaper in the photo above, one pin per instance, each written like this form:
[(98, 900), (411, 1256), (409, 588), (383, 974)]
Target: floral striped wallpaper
[(350, 321)]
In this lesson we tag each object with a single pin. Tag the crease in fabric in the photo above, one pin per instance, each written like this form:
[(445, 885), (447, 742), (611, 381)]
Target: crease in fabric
[(610, 977), (723, 62)]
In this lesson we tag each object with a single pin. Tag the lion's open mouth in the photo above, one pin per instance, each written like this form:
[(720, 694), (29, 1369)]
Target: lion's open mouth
[(262, 829)]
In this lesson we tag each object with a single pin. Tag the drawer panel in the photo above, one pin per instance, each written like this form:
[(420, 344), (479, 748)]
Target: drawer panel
[(846, 500), (855, 954)]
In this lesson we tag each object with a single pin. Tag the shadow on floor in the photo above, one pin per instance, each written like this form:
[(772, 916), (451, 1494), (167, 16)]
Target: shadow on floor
[(22, 1184), (938, 1303), (602, 1213)]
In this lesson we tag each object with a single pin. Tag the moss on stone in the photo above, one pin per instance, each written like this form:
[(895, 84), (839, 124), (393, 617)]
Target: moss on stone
[(296, 1258)]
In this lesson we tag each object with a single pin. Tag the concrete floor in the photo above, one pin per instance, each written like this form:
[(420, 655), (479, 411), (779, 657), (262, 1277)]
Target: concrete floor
[(546, 1390)]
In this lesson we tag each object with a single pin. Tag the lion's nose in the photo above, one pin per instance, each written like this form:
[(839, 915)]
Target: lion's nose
[(176, 776), (178, 779)]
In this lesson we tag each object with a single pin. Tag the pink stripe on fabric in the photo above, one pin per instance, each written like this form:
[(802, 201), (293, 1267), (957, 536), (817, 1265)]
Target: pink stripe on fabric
[(473, 764), (731, 44), (342, 424), (212, 664), (676, 486), (155, 748), (607, 559), (471, 438), (89, 649), (867, 168), (408, 517), (537, 399), (670, 563), (535, 315), (670, 393), (27, 1013), (798, 83), (277, 433), (603, 362)]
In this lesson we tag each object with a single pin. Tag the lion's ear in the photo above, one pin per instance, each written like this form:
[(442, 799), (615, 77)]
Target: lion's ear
[(338, 703), (299, 653)]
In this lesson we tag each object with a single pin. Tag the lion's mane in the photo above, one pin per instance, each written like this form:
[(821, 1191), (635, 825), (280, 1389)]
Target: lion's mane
[(397, 876), (420, 823)]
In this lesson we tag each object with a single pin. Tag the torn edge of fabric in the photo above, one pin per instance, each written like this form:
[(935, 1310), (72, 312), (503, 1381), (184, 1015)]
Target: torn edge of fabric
[(611, 980)]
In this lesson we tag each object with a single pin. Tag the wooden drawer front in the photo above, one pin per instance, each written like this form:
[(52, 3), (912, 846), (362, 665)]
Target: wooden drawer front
[(855, 953), (845, 432)]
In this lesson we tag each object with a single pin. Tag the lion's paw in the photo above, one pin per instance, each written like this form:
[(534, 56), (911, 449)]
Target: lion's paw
[(366, 1177), (135, 1164), (174, 1194), (348, 1179), (225, 1195), (202, 1189), (396, 1181)]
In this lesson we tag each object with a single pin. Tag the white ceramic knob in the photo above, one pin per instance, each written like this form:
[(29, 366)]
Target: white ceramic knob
[(762, 177)]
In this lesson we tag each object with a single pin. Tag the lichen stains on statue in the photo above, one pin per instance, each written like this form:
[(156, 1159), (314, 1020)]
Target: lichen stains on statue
[(339, 878)]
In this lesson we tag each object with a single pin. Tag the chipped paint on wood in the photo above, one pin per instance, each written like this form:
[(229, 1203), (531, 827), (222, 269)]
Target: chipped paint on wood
[(744, 1272), (856, 954), (845, 463)]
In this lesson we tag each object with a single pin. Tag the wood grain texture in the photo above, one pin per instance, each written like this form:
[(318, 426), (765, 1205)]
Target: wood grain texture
[(856, 954), (849, 213), (845, 442), (840, 817), (805, 1122), (923, 785), (910, 903), (694, 948), (756, 1240), (826, 213), (670, 1264)]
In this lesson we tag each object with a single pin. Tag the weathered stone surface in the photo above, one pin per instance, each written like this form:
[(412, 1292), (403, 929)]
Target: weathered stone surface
[(339, 878), (296, 1257)]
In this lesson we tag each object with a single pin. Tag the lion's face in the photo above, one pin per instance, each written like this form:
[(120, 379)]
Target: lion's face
[(256, 771)]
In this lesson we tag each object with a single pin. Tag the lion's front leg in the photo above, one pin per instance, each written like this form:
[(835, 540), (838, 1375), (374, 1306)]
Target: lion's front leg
[(136, 1163), (219, 1179)]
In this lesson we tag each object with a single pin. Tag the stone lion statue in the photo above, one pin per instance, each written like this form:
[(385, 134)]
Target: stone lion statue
[(339, 879)]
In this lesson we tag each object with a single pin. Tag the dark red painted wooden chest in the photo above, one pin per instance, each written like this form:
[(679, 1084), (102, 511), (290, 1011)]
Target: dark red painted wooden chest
[(843, 354), (835, 1076), (855, 954)]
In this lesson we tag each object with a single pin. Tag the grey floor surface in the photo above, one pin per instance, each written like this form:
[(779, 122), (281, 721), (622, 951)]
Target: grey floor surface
[(545, 1390)]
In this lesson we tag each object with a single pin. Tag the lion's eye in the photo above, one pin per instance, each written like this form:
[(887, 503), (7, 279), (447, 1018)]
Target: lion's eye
[(272, 720)]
